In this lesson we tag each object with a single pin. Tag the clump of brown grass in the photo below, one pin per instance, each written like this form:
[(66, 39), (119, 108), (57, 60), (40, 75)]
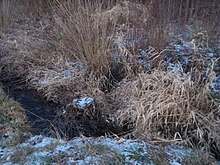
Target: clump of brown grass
[(60, 73), (88, 41), (93, 33), (168, 107), (135, 29), (64, 76)]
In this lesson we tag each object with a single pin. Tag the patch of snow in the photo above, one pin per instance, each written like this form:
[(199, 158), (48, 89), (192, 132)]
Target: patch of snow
[(36, 162), (215, 85), (62, 147), (211, 54), (45, 141), (178, 152), (111, 119), (92, 160), (10, 163), (75, 150), (41, 154), (174, 162), (83, 102), (77, 162), (5, 153)]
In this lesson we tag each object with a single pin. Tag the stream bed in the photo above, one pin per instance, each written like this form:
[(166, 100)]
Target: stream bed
[(40, 113), (51, 119)]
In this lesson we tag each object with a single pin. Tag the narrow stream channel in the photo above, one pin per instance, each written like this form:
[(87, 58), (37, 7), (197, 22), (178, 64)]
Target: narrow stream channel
[(47, 118), (39, 112)]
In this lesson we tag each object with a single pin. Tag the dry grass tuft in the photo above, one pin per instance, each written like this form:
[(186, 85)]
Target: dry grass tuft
[(168, 107), (87, 40), (64, 76), (60, 73)]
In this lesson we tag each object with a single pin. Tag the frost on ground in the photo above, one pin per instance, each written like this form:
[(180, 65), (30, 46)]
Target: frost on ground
[(186, 51), (80, 151)]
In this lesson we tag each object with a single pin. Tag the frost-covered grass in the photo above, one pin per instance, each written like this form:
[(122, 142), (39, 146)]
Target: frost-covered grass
[(101, 150)]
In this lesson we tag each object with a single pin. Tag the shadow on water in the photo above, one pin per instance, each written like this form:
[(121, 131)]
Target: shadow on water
[(40, 113)]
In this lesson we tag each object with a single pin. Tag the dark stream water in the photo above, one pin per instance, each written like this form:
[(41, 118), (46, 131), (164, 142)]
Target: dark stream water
[(47, 118), (40, 113)]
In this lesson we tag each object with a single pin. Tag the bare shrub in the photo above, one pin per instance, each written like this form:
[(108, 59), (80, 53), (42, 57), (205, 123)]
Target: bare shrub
[(166, 107)]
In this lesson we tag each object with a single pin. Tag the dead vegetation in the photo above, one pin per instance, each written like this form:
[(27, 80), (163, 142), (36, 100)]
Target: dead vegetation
[(81, 34), (166, 107), (82, 48)]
